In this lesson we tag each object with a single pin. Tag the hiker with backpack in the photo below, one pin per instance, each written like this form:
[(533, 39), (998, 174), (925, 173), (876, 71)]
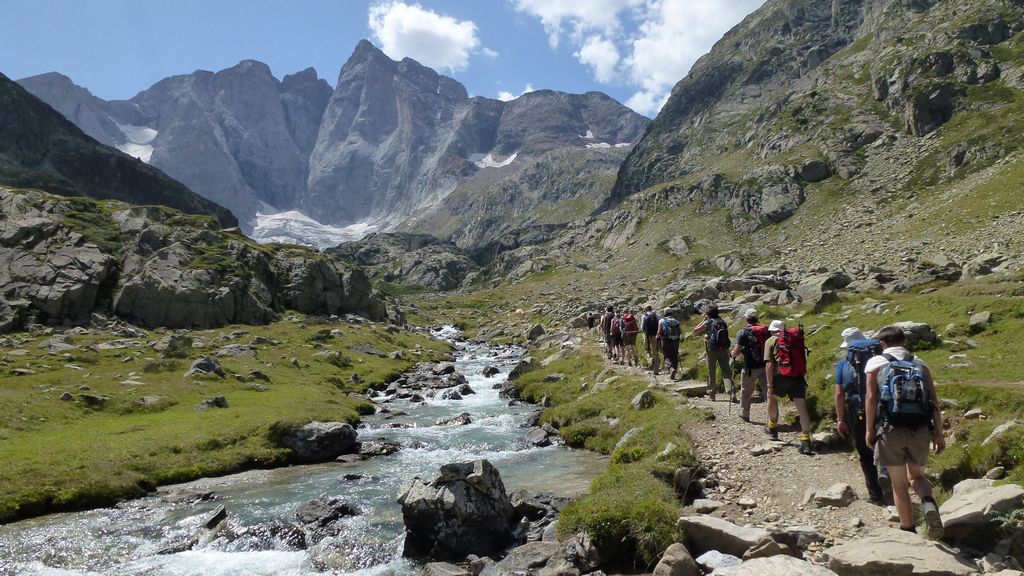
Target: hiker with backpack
[(716, 342), (606, 330), (851, 395), (669, 333), (618, 350), (786, 367), (630, 330), (750, 341), (649, 326), (902, 415)]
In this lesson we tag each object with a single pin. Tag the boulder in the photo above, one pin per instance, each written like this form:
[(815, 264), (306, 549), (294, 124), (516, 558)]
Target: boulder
[(643, 400), (527, 557), (522, 367), (204, 366), (677, 561), (1001, 430), (463, 510), (535, 331), (917, 332), (460, 420), (979, 321), (969, 514), (819, 290), (704, 533), (767, 547), (489, 371), (444, 569), (321, 512), (713, 560), (215, 402), (443, 368), (798, 538), (814, 171), (318, 441), (891, 551), (774, 566)]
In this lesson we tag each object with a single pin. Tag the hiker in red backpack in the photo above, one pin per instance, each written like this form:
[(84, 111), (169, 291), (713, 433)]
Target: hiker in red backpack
[(630, 329), (786, 366), (750, 341), (716, 342)]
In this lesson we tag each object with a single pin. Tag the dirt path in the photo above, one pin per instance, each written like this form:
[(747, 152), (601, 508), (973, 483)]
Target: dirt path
[(777, 481)]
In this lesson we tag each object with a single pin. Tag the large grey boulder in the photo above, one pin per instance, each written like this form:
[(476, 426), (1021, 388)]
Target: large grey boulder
[(774, 566), (318, 441), (819, 290), (970, 513), (704, 533), (889, 551), (917, 332), (677, 561), (462, 510)]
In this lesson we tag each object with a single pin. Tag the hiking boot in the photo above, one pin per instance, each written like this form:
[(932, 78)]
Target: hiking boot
[(745, 418), (931, 518), (886, 483), (876, 499), (805, 448), (734, 399), (672, 375), (772, 432)]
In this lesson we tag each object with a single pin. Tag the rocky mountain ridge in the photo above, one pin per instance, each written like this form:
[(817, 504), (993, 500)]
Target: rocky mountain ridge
[(392, 139), (64, 259), (39, 148)]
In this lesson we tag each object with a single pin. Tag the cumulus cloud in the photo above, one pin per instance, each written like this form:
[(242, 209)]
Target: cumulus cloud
[(601, 56), (435, 40), (505, 95), (646, 44)]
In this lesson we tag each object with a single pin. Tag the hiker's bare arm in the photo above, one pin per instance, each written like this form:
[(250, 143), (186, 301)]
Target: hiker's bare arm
[(840, 411), (700, 326)]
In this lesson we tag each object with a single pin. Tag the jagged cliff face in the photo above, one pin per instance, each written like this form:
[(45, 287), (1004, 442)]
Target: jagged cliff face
[(805, 91), (394, 138), (39, 148), (238, 137), (398, 137)]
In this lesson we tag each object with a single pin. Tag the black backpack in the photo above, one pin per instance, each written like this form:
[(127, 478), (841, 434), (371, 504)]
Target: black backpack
[(718, 333), (650, 324)]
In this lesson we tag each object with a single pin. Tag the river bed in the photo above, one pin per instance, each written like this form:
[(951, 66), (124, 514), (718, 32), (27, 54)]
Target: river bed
[(125, 540)]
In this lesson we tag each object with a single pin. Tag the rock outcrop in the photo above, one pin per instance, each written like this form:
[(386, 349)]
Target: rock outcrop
[(62, 259), (317, 441), (463, 510), (970, 514), (891, 551)]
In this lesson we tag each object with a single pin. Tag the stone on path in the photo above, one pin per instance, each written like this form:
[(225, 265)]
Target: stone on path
[(714, 560), (891, 551), (677, 561), (838, 495), (970, 512), (706, 506), (774, 566), (798, 538), (762, 449), (765, 548), (704, 533), (643, 400)]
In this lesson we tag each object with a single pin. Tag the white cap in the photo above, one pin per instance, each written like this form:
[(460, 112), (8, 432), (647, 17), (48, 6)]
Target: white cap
[(750, 313), (851, 334), (776, 326)]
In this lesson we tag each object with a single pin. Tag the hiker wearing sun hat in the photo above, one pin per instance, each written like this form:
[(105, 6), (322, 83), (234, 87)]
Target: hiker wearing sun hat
[(750, 341), (785, 365), (851, 392)]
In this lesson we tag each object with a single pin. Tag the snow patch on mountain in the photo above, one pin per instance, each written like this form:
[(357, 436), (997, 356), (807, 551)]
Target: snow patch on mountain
[(488, 161), (294, 227), (138, 141)]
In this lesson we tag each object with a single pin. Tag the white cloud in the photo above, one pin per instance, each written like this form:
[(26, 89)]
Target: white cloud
[(601, 56), (435, 40), (646, 44), (580, 16), (505, 95)]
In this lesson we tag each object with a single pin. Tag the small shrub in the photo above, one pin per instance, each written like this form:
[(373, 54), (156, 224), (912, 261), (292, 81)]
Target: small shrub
[(338, 360), (153, 365), (179, 346)]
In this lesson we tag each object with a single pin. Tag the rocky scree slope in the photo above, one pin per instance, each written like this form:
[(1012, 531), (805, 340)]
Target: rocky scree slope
[(870, 97), (41, 149), (392, 139), (61, 259)]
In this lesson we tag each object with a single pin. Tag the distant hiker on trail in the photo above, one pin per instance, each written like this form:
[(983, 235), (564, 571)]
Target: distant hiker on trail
[(649, 325), (716, 341), (618, 349), (851, 394), (786, 367), (669, 332), (630, 330), (606, 330), (903, 414), (750, 341)]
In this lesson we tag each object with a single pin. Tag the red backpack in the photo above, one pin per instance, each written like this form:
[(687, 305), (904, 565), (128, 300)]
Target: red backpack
[(753, 345), (629, 325), (792, 353)]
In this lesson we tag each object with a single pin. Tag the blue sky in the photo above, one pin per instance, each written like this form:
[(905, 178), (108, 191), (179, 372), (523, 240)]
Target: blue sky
[(634, 50)]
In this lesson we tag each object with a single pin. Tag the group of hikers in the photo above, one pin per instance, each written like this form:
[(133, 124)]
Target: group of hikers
[(884, 395)]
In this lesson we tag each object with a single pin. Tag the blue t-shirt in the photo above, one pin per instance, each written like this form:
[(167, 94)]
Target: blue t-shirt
[(846, 377)]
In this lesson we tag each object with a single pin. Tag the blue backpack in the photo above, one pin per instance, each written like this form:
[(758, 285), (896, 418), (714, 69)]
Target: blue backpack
[(853, 379), (904, 399), (670, 328)]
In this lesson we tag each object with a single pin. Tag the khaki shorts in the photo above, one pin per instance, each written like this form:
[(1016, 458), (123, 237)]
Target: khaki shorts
[(902, 446)]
